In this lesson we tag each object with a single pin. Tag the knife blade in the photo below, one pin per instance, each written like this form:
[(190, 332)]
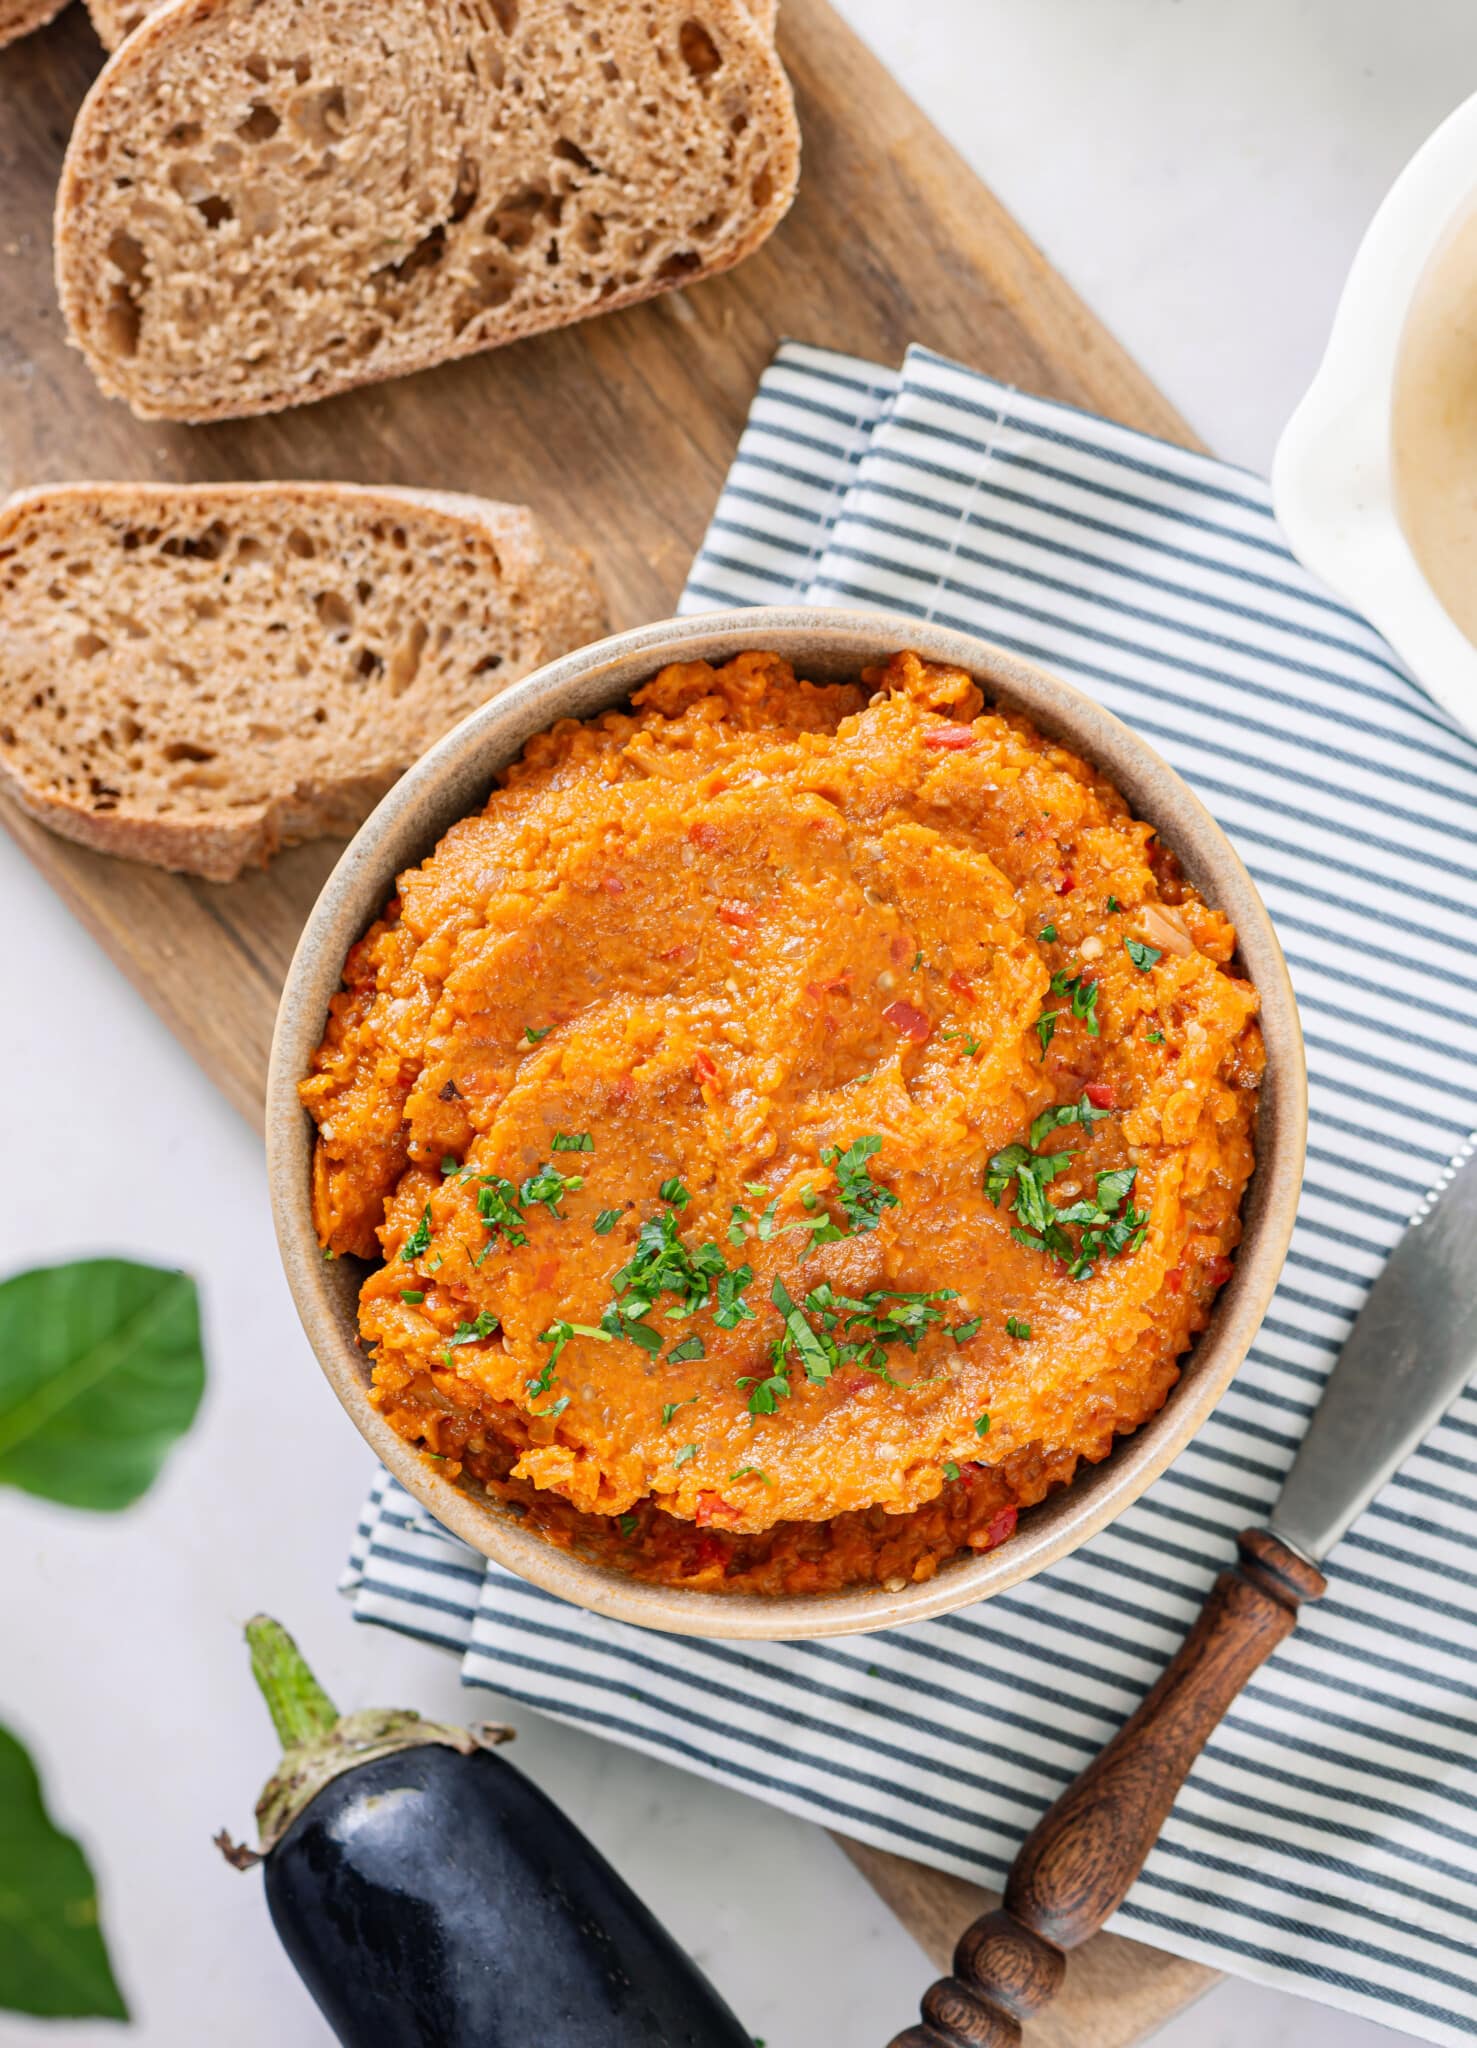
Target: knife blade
[(1411, 1351)]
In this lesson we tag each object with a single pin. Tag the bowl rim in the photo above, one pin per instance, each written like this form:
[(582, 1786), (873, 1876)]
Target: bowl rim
[(1333, 483), (452, 779)]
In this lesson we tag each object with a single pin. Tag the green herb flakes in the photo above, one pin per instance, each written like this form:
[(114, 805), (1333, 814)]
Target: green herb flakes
[(547, 1185), (1142, 956), (982, 1425), (571, 1141), (1048, 934), (1017, 1327), (685, 1455), (962, 1332), (533, 1036), (413, 1295), (627, 1525), (951, 1470), (419, 1239), (486, 1325), (674, 1192), (606, 1221), (1154, 1037)]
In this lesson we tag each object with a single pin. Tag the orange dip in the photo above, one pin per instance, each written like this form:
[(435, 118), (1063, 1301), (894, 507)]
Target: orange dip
[(797, 1122)]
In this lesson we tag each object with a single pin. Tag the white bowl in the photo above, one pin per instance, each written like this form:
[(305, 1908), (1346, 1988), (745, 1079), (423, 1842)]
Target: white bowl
[(1332, 477)]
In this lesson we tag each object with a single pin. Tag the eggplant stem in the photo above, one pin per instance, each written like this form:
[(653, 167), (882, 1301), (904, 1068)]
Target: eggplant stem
[(301, 1710)]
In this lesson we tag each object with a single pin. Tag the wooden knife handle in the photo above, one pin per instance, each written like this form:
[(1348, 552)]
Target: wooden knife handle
[(1075, 1867)]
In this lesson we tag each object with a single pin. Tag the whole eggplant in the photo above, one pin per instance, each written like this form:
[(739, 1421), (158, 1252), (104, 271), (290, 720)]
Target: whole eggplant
[(431, 1896)]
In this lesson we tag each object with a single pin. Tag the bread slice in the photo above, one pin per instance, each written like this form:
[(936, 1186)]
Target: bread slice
[(199, 676), (19, 17), (114, 19), (264, 202)]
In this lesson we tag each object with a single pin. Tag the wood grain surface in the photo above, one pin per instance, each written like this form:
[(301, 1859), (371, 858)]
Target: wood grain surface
[(618, 433)]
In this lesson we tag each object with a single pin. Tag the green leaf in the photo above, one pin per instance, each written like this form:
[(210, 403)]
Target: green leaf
[(606, 1221), (571, 1141), (100, 1370), (53, 1960), (1143, 956)]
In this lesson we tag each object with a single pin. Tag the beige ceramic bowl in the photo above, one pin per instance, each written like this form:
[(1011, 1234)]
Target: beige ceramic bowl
[(453, 780)]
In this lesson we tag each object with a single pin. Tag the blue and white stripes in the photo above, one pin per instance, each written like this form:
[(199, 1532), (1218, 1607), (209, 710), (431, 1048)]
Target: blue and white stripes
[(1328, 1839)]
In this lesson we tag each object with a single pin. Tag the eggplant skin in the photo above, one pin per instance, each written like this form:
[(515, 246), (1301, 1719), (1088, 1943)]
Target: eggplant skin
[(434, 1900)]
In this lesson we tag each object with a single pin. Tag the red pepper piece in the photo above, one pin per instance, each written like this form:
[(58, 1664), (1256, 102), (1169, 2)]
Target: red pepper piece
[(907, 1022), (953, 737), (1101, 1094)]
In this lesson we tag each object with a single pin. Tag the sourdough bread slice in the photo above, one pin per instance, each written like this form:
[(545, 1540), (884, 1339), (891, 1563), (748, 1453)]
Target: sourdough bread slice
[(19, 17), (114, 19), (199, 676), (264, 202)]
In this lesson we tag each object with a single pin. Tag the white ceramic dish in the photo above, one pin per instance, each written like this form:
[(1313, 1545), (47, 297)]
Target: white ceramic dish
[(1332, 476)]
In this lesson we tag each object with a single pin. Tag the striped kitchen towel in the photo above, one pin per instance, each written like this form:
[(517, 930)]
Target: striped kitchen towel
[(1327, 1841)]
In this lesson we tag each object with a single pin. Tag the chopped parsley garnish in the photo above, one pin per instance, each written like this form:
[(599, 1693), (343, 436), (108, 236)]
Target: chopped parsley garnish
[(738, 1216), (731, 1308), (1155, 1037), (862, 1198), (548, 1185), (626, 1524), (917, 961), (982, 1425), (1142, 956), (1017, 1327), (1108, 1227), (766, 1392), (1062, 1113), (1083, 994), (673, 1191), (687, 1451), (450, 1164), (413, 1295), (1048, 933), (690, 1347), (533, 1036), (951, 1470), (962, 1332), (571, 1141), (486, 1325), (558, 1334), (1113, 904), (497, 1205), (606, 1221), (748, 1472), (669, 1409), (419, 1239), (971, 1043)]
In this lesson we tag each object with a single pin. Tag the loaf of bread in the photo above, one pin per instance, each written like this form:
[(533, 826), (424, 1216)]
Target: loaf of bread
[(199, 676), (264, 202), (19, 17)]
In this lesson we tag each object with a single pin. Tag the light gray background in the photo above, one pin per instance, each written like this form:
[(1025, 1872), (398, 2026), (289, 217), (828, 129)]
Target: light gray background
[(1202, 172)]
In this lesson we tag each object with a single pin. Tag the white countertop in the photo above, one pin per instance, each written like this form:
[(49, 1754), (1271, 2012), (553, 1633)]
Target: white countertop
[(1201, 172)]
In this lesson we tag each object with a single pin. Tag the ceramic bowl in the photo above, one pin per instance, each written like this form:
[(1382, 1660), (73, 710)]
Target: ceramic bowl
[(453, 780), (1333, 474)]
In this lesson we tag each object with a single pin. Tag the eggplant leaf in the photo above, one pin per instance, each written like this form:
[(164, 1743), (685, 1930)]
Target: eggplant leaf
[(53, 1960), (100, 1370)]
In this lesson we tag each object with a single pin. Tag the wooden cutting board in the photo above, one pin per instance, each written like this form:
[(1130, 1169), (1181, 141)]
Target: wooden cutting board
[(619, 433)]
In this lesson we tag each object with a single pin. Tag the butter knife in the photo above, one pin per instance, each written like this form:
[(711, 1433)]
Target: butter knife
[(1407, 1358)]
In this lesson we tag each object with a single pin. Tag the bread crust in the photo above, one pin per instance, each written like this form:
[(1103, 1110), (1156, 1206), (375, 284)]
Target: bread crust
[(19, 17), (94, 283), (560, 609)]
